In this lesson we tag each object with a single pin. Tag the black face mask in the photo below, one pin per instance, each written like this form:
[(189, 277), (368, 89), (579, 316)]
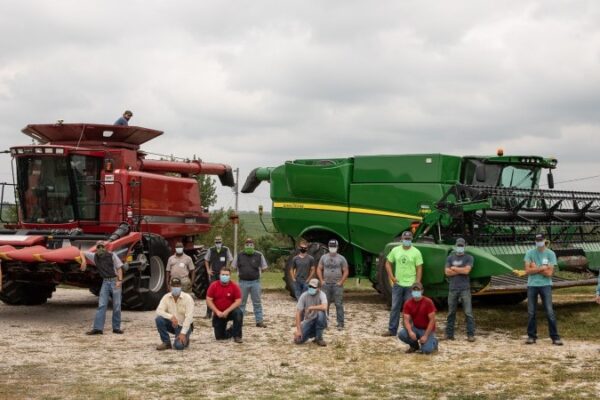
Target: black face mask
[(303, 249)]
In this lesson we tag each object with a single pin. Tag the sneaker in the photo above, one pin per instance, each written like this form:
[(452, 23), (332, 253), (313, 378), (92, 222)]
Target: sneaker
[(447, 338), (118, 331), (321, 343), (411, 350), (387, 334), (557, 342), (530, 340), (470, 338), (94, 332), (238, 340), (261, 325), (163, 346)]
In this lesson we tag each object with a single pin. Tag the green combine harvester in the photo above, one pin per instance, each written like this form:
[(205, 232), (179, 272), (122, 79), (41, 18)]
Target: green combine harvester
[(495, 203)]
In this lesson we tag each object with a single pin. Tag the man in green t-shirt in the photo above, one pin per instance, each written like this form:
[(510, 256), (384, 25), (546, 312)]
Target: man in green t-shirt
[(539, 267), (408, 268)]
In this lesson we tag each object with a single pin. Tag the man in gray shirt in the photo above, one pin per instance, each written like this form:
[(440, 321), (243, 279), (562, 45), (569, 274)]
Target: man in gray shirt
[(311, 319), (333, 272), (458, 267), (302, 269)]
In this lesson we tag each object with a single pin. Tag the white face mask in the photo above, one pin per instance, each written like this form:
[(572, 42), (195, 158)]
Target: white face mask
[(333, 250), (179, 250)]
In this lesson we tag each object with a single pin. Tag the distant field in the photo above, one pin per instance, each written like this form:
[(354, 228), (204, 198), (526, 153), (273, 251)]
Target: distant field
[(252, 223)]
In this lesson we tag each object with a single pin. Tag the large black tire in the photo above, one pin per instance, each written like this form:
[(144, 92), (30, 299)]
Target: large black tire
[(143, 289), (383, 285), (202, 281), (25, 294), (315, 249)]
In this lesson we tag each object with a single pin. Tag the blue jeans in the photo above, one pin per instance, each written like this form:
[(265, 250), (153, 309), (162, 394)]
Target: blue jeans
[(165, 326), (220, 325), (252, 288), (545, 293), (465, 296), (313, 328), (400, 294), (108, 289), (335, 292), (299, 288), (430, 345)]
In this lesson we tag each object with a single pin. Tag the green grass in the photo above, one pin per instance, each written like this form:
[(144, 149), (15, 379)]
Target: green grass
[(273, 280), (252, 224)]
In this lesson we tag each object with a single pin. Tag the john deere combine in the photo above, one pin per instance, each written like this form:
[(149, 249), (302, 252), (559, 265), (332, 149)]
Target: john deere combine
[(493, 202)]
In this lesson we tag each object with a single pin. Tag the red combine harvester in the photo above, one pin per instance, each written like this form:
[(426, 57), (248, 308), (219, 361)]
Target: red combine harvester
[(87, 182)]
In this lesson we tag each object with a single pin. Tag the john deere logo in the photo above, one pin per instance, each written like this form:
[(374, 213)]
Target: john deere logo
[(403, 260)]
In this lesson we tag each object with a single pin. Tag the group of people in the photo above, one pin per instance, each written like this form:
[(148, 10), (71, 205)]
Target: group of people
[(317, 284)]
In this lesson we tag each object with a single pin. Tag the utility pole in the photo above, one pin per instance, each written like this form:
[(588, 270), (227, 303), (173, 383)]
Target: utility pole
[(236, 220)]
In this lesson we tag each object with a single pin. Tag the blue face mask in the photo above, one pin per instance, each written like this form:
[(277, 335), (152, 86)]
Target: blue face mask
[(176, 291), (224, 278), (459, 250), (407, 243), (416, 294), (312, 291)]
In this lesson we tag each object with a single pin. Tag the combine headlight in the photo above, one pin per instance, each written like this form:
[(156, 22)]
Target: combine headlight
[(20, 151), (39, 150), (60, 151), (48, 150)]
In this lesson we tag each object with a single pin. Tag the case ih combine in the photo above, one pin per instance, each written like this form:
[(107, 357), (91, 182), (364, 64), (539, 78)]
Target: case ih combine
[(86, 182), (493, 202)]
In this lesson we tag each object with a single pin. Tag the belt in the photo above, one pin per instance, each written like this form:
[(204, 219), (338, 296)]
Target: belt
[(114, 278)]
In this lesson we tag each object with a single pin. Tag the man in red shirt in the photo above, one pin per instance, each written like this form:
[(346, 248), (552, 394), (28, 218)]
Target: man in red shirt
[(224, 298), (419, 322)]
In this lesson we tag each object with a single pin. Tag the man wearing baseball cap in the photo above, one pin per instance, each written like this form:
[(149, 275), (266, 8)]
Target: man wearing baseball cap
[(539, 267), (311, 319), (419, 322), (332, 271), (458, 267), (408, 268), (250, 263), (175, 315)]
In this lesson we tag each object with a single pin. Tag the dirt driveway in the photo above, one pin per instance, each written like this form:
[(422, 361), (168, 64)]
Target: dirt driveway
[(45, 354)]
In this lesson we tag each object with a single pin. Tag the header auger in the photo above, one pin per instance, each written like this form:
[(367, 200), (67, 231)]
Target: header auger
[(87, 182)]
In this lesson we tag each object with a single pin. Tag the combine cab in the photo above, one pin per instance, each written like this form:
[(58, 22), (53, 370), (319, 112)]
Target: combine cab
[(493, 202), (83, 183)]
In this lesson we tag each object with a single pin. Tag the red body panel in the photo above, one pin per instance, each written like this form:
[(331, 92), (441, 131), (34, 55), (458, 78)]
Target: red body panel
[(25, 254), (62, 255)]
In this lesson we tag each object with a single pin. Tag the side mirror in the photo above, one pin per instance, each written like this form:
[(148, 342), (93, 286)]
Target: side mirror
[(480, 173), (550, 180)]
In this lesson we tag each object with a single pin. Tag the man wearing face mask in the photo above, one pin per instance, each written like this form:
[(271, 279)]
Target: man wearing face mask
[(250, 263), (539, 266), (216, 258), (419, 322), (175, 315), (458, 267), (302, 269), (224, 298), (109, 267), (311, 319), (333, 272), (181, 266), (408, 268)]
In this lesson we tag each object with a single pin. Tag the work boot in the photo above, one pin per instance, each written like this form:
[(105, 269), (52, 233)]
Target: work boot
[(446, 337), (163, 346), (530, 340), (94, 332), (471, 338), (320, 342), (340, 327), (261, 325), (118, 331), (557, 342), (238, 340), (387, 334), (411, 350)]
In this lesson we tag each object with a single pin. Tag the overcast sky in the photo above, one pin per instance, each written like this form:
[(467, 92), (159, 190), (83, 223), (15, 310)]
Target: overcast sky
[(255, 83)]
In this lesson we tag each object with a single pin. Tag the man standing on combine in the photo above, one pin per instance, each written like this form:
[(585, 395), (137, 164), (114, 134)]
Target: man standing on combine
[(216, 258), (419, 322), (311, 319), (124, 120), (110, 269), (181, 266), (175, 315), (458, 267), (250, 263), (224, 298), (302, 269), (333, 272), (408, 268), (539, 266)]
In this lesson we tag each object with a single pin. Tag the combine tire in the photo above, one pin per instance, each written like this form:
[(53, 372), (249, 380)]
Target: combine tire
[(200, 284), (316, 250), (25, 294), (143, 289), (383, 284)]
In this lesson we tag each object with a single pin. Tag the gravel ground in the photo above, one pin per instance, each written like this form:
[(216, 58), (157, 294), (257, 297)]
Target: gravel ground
[(47, 355)]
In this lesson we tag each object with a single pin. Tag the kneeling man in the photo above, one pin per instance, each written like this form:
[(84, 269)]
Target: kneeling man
[(224, 298), (419, 322), (175, 315), (311, 317)]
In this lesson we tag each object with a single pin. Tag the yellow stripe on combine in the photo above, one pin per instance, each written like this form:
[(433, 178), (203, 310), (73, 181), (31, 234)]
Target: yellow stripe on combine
[(357, 210)]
